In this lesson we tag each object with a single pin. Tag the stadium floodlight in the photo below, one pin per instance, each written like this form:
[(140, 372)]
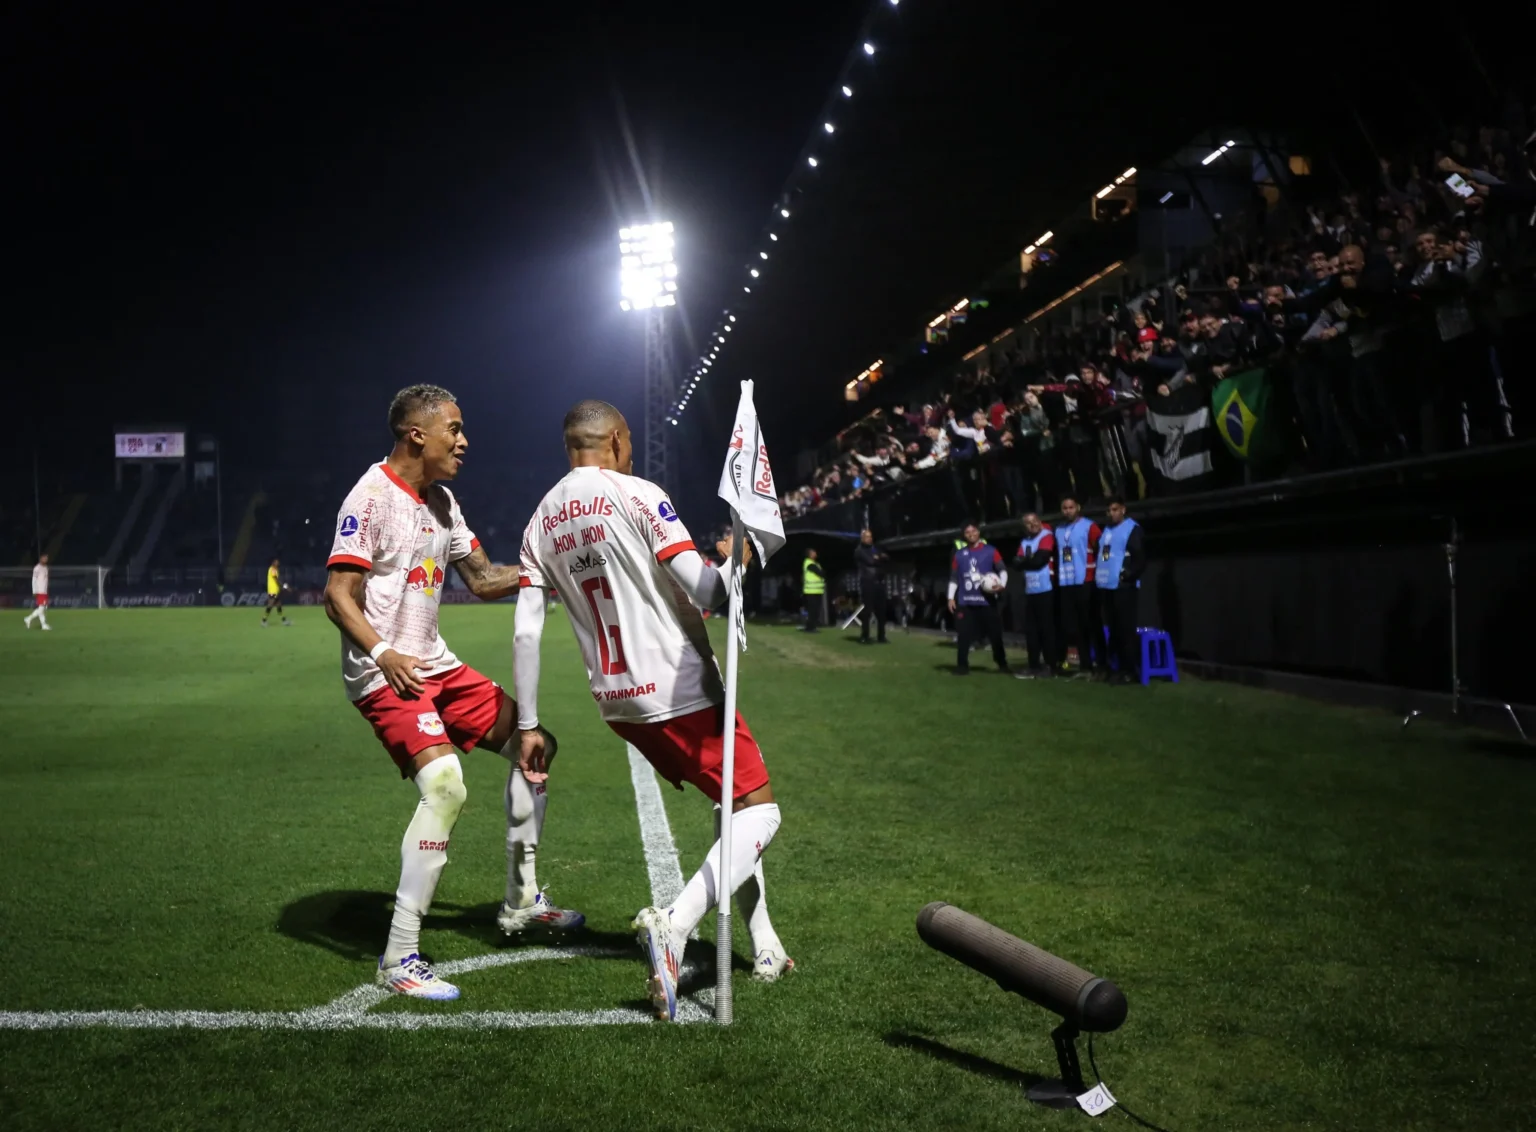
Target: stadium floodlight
[(647, 266), (763, 255), (784, 212), (774, 236), (728, 328), (748, 290), (733, 318), (648, 282), (829, 127), (847, 92), (755, 273), (869, 48), (813, 162)]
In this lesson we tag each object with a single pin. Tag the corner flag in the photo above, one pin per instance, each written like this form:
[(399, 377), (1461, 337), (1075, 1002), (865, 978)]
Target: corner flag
[(746, 483)]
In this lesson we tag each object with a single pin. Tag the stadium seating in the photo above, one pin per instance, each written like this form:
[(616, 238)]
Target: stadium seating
[(1265, 350)]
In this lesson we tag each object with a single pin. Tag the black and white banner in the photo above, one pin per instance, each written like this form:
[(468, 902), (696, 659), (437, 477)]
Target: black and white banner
[(1183, 440)]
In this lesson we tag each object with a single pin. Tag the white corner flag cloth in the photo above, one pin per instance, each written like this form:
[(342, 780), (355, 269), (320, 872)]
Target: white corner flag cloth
[(746, 483)]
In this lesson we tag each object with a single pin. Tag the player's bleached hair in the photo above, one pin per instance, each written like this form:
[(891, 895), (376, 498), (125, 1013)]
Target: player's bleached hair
[(589, 424), (413, 399)]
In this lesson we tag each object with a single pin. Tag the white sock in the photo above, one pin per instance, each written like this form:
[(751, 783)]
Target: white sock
[(31, 617), (752, 903), (42, 615), (752, 830), (424, 852), (752, 899), (526, 802)]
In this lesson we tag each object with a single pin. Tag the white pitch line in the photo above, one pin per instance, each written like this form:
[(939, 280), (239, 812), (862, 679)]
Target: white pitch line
[(361, 999), (666, 872), (655, 833), (306, 1020), (349, 1011)]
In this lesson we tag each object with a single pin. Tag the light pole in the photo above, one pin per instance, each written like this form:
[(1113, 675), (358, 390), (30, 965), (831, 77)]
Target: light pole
[(648, 283)]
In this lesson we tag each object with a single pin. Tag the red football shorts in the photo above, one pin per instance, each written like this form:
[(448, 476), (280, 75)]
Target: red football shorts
[(691, 748), (42, 600), (460, 707)]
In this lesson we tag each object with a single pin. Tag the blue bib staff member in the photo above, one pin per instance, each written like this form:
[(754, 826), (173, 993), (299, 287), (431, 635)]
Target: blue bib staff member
[(1122, 558), (871, 561), (813, 584), (1077, 539), (975, 609), (1037, 559)]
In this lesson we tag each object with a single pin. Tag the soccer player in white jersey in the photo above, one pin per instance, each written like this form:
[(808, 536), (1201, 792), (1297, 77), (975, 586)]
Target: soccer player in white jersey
[(612, 546), (397, 531), (39, 594)]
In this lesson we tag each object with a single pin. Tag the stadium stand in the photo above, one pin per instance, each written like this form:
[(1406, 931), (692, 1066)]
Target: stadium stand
[(1236, 316)]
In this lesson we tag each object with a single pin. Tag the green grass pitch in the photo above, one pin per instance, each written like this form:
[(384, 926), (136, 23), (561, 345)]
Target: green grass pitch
[(1320, 921)]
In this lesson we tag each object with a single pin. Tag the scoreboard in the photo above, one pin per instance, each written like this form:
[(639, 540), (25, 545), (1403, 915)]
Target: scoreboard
[(151, 445)]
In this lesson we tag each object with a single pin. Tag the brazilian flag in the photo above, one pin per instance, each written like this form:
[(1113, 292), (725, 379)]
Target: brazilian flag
[(1245, 420)]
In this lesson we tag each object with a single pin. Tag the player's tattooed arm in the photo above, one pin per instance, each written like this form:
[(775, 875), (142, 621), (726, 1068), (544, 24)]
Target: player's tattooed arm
[(486, 581)]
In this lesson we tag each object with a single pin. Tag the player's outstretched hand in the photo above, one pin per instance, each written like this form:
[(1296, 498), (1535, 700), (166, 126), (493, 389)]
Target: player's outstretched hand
[(400, 671), (727, 545), (530, 757)]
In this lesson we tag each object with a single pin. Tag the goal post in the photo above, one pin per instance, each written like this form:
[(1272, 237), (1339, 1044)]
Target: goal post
[(69, 587)]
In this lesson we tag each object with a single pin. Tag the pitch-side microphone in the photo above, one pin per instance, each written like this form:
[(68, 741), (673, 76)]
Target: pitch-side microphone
[(1084, 1001)]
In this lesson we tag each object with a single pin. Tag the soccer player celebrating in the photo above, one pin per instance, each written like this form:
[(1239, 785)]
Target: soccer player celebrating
[(39, 594), (274, 595), (611, 545), (396, 531)]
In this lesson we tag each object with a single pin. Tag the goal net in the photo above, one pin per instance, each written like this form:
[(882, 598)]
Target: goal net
[(69, 587)]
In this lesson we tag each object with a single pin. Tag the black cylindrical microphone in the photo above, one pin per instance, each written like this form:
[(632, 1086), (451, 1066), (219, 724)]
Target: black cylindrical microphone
[(1082, 999)]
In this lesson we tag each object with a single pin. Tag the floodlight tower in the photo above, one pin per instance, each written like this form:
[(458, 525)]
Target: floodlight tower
[(648, 282)]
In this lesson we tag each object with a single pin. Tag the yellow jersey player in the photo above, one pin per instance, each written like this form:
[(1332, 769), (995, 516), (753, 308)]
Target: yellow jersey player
[(275, 589)]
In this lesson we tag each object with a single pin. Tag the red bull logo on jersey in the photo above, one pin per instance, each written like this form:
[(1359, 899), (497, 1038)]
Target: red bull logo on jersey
[(425, 578), (575, 509)]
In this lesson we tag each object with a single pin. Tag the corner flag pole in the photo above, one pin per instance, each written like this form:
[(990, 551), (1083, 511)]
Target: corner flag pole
[(724, 1007)]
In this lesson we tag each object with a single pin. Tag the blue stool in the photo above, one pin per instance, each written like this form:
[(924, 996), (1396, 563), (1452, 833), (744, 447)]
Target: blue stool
[(1157, 655)]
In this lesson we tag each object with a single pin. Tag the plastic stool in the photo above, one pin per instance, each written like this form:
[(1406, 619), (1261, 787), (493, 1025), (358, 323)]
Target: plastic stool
[(1157, 655)]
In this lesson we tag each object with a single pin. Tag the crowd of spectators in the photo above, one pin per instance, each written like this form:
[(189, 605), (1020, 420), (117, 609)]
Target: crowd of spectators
[(1378, 313)]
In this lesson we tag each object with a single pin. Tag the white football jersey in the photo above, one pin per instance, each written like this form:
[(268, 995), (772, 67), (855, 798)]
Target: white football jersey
[(601, 540), (406, 544), (39, 579)]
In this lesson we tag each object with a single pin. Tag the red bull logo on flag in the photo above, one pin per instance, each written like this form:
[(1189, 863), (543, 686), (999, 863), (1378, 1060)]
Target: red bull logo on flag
[(427, 577)]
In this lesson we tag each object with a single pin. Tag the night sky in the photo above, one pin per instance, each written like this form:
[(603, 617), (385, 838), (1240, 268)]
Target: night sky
[(263, 224)]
